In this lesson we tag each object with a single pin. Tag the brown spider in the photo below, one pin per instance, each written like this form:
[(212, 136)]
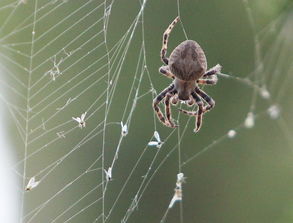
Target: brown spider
[(187, 66)]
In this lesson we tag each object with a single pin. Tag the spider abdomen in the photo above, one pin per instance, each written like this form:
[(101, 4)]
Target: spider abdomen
[(188, 61)]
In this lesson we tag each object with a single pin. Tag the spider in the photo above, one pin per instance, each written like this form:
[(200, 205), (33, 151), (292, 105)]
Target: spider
[(187, 66)]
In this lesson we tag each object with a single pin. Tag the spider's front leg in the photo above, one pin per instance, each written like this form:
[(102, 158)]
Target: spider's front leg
[(165, 41), (166, 71), (156, 102)]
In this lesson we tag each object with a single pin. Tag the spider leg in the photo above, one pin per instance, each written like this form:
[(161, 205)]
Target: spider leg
[(165, 70), (211, 81), (200, 111), (168, 109), (190, 102), (165, 41), (197, 113), (191, 113), (214, 70), (175, 99), (207, 98), (157, 100)]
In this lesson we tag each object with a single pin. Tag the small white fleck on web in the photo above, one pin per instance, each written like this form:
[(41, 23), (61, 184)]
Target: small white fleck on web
[(249, 121), (232, 133), (274, 111), (264, 93)]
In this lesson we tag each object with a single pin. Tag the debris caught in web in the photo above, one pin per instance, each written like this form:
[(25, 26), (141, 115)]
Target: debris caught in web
[(178, 190), (264, 93), (231, 133), (67, 103), (108, 174), (80, 120), (158, 143), (55, 71), (61, 134), (249, 121), (274, 111), (32, 184), (124, 129)]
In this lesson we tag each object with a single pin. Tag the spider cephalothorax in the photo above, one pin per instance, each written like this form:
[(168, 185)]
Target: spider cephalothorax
[(187, 66)]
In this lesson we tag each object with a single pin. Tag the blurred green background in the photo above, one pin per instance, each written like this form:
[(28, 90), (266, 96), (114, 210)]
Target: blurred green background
[(246, 179)]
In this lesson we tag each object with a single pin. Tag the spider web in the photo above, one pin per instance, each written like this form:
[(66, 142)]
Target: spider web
[(60, 59)]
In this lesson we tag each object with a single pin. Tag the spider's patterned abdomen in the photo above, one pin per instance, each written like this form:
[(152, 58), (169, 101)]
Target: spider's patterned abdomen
[(188, 61)]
